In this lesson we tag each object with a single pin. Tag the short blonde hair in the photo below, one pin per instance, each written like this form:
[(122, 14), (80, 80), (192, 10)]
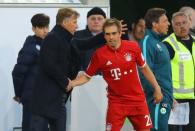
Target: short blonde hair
[(65, 13), (111, 22)]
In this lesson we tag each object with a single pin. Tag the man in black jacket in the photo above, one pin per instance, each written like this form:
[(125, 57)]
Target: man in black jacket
[(55, 71), (25, 70)]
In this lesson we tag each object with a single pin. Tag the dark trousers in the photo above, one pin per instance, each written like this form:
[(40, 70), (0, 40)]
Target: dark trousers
[(191, 125), (26, 116), (159, 113), (40, 123)]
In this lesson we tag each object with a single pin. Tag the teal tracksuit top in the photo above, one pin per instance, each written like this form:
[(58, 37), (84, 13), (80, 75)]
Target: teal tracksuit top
[(157, 57)]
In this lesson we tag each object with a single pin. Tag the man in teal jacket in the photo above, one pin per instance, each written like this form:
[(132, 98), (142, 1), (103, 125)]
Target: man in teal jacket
[(157, 57)]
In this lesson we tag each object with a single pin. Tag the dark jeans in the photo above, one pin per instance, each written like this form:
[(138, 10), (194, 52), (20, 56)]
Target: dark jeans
[(26, 116), (40, 123), (191, 125)]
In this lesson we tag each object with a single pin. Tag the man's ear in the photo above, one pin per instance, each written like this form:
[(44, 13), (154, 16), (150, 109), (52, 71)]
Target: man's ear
[(154, 24), (65, 21), (190, 19), (33, 29), (121, 33)]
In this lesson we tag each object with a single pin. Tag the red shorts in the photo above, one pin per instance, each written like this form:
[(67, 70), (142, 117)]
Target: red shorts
[(138, 115)]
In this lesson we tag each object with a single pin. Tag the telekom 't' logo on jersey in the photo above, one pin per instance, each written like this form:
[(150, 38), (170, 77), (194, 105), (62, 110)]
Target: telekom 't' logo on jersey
[(115, 73)]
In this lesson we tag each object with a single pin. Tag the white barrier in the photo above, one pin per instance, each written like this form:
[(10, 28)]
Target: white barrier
[(88, 106)]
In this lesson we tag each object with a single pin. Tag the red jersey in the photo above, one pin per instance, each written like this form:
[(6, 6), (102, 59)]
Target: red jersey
[(119, 68)]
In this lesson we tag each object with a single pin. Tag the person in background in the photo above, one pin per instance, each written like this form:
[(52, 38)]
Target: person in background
[(137, 30), (181, 47), (157, 57), (95, 20), (190, 12), (25, 70), (118, 60)]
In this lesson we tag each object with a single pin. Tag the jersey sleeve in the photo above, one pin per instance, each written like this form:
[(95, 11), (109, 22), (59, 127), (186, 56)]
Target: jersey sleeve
[(140, 58), (93, 66)]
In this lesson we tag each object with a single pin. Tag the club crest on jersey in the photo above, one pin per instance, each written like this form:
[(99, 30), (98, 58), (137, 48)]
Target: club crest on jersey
[(163, 110), (127, 57)]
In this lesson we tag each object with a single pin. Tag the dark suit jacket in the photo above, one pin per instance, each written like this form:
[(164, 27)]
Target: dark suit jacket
[(85, 55), (55, 69)]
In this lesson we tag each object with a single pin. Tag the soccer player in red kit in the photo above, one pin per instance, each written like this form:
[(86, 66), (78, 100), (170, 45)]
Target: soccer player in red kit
[(118, 61)]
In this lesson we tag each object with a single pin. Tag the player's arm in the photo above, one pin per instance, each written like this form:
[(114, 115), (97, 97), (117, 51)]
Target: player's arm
[(82, 79), (151, 78), (85, 77)]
